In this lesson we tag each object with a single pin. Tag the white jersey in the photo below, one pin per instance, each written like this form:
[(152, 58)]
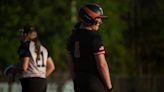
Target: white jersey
[(36, 68)]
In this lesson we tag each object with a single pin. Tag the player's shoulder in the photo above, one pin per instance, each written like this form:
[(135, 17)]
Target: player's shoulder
[(23, 49), (95, 35), (44, 45), (26, 44), (23, 46)]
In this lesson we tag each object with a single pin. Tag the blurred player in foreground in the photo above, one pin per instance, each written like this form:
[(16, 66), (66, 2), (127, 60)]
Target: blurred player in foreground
[(86, 57)]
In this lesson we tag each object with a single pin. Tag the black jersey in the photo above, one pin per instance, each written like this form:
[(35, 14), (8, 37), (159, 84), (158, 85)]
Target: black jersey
[(82, 45)]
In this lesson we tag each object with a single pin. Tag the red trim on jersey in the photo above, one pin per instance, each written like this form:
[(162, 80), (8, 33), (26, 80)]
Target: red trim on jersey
[(100, 52)]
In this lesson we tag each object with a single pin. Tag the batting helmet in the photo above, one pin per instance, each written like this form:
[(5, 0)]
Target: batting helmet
[(9, 70), (29, 32), (89, 12), (28, 29)]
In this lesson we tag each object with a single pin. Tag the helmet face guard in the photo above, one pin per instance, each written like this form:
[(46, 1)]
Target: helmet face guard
[(89, 12)]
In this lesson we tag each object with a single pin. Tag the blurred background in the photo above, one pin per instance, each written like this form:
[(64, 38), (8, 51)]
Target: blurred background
[(133, 35)]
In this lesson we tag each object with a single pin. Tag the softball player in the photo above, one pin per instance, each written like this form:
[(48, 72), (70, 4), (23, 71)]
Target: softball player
[(86, 52), (35, 61)]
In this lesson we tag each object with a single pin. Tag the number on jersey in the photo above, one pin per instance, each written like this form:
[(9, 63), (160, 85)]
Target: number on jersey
[(77, 50)]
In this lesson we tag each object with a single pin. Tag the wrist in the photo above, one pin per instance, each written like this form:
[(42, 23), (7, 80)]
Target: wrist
[(109, 89)]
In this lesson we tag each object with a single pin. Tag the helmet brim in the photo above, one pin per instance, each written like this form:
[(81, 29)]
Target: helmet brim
[(102, 16)]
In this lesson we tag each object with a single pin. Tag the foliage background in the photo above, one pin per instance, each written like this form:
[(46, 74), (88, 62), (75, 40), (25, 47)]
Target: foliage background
[(133, 33)]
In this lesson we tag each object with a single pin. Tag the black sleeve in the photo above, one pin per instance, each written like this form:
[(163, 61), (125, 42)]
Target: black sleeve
[(23, 50), (49, 51), (97, 44), (49, 54)]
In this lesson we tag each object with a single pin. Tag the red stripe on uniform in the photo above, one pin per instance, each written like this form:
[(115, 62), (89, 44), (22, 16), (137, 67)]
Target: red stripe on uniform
[(100, 52)]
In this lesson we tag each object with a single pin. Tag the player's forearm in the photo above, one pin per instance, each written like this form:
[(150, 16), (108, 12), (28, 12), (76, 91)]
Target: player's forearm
[(103, 69), (50, 67), (25, 63), (49, 71), (106, 75), (72, 72), (71, 66)]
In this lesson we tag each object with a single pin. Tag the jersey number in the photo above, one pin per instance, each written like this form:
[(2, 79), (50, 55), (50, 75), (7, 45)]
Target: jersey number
[(77, 50), (40, 62)]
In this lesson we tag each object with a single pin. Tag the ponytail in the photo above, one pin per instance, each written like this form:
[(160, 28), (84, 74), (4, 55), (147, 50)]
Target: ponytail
[(37, 48), (76, 27)]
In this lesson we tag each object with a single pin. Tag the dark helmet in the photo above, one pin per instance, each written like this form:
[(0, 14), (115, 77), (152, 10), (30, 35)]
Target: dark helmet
[(28, 29), (28, 33), (89, 12)]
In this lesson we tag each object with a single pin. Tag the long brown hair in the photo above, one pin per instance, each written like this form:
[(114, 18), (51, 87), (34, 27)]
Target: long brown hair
[(37, 48), (32, 35)]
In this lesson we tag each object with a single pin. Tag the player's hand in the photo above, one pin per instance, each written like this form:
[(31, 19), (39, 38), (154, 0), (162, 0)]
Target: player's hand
[(109, 90)]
